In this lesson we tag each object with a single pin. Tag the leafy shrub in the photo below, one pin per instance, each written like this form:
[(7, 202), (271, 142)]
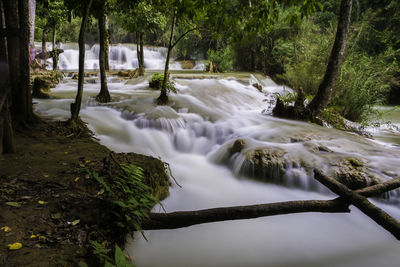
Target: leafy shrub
[(362, 83), (132, 198), (221, 58), (157, 80)]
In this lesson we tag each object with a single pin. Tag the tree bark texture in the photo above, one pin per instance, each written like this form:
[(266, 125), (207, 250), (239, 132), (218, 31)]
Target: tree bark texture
[(76, 107), (104, 95), (3, 44), (325, 89), (106, 43), (32, 15), (44, 38), (13, 57), (362, 203), (55, 55), (23, 105), (181, 219), (6, 130), (163, 98)]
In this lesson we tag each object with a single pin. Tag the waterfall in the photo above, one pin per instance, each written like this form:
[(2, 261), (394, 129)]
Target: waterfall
[(195, 136), (121, 56)]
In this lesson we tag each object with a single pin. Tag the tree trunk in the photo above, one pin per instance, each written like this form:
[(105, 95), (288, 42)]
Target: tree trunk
[(163, 98), (76, 107), (12, 24), (3, 44), (44, 38), (55, 55), (141, 51), (138, 49), (106, 43), (32, 15), (321, 100), (6, 130), (104, 95), (23, 105)]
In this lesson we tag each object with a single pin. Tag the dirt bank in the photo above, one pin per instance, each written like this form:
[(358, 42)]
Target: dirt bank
[(52, 206)]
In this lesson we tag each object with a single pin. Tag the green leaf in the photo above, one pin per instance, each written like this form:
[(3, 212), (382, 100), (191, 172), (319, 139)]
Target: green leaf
[(75, 222), (14, 204)]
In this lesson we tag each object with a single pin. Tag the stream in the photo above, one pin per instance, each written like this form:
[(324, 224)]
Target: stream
[(195, 134)]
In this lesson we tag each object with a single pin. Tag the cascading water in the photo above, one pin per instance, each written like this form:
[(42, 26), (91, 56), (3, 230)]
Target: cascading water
[(121, 56), (195, 135)]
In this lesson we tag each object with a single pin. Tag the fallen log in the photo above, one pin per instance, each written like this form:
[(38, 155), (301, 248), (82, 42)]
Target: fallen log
[(181, 219), (377, 214)]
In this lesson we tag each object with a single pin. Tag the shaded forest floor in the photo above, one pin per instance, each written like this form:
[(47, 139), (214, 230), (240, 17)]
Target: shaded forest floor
[(51, 205)]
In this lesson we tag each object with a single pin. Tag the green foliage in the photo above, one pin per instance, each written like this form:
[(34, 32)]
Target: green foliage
[(132, 198), (308, 64), (119, 257), (157, 80), (363, 82), (221, 58)]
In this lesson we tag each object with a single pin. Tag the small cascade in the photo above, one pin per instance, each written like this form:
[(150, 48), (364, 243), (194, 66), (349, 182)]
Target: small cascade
[(215, 137)]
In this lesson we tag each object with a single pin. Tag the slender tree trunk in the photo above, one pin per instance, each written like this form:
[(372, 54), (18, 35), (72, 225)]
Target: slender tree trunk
[(104, 95), (55, 55), (163, 98), (106, 43), (321, 100), (138, 49), (24, 104), (32, 15), (3, 44), (6, 130), (141, 51), (44, 38), (76, 107)]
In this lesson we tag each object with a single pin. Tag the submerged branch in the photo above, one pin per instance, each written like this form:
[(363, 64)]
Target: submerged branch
[(181, 219), (378, 215)]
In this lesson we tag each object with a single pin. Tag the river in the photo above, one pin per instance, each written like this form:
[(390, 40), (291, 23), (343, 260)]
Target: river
[(194, 135)]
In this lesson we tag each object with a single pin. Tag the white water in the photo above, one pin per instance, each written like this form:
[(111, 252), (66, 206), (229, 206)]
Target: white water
[(194, 136), (121, 56)]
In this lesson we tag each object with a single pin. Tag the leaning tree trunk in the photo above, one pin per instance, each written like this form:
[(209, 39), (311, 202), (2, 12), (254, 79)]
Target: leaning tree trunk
[(163, 98), (106, 43), (76, 107), (321, 100), (55, 55), (104, 95)]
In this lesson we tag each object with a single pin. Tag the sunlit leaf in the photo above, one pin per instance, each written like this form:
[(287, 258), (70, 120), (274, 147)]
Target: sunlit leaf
[(5, 229), (14, 204), (75, 222), (14, 246)]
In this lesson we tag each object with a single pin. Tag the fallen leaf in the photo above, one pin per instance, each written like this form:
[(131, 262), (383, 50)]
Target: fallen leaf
[(76, 179), (82, 165), (34, 236), (87, 161), (46, 176), (14, 204), (101, 192), (55, 216), (14, 246), (75, 222), (41, 202), (5, 229)]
